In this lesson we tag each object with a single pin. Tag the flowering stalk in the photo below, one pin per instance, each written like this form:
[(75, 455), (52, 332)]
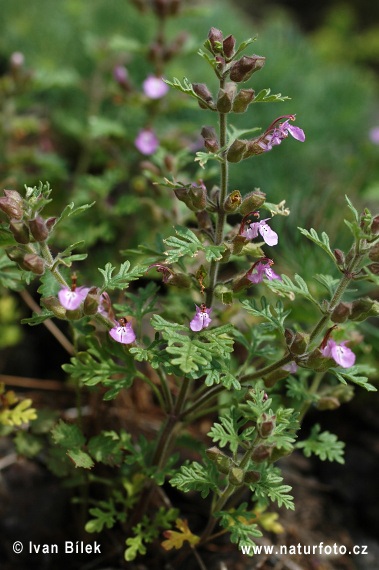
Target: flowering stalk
[(219, 233)]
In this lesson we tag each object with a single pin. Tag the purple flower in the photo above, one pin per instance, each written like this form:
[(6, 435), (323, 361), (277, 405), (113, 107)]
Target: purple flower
[(290, 367), (120, 74), (123, 332), (374, 135), (17, 59), (339, 352), (71, 299), (262, 269), (154, 87), (269, 236), (146, 141), (201, 320), (274, 135)]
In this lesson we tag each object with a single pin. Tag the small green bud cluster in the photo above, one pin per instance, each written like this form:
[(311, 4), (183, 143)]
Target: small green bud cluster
[(225, 465)]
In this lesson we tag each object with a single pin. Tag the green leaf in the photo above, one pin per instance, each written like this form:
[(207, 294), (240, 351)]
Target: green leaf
[(323, 242), (239, 523), (196, 477), (244, 45), (70, 210), (203, 157), (6, 238), (354, 211), (186, 88), (274, 322), (353, 374), (122, 278), (227, 432), (37, 319), (102, 518), (287, 286), (68, 436), (106, 448), (327, 281), (27, 444), (325, 445), (22, 413), (184, 243), (264, 96), (269, 487), (80, 458)]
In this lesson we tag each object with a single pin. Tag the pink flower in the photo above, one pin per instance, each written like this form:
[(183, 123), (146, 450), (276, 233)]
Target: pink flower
[(374, 135), (339, 352), (290, 367), (201, 320), (146, 141), (120, 74), (154, 87), (262, 269), (274, 135), (269, 236), (71, 299), (123, 332)]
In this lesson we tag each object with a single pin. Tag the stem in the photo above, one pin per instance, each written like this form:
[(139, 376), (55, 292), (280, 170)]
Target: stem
[(345, 280), (219, 234), (228, 491), (313, 389), (213, 392), (165, 389)]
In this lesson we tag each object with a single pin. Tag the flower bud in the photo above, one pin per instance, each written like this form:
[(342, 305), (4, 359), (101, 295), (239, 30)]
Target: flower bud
[(33, 263), (202, 91), (342, 392), (73, 315), (232, 201), (339, 257), (224, 102), (38, 229), (341, 312), (261, 453), (222, 461), (243, 100), (215, 37), (252, 201), (375, 225), (211, 145), (236, 476), (15, 254), (53, 305), (374, 252), (317, 362), (183, 195), (241, 283), (244, 68), (363, 309), (15, 196), (180, 280), (91, 302), (50, 223), (327, 403), (299, 343), (228, 46), (161, 8), (253, 148), (198, 195), (252, 477), (174, 7), (11, 208), (237, 244), (208, 132), (20, 231), (236, 151), (213, 452), (266, 427), (374, 268)]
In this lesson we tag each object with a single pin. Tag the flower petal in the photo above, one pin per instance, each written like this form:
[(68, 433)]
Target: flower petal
[(123, 334)]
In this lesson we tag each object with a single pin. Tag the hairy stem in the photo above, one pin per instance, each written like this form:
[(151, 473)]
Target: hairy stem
[(220, 222)]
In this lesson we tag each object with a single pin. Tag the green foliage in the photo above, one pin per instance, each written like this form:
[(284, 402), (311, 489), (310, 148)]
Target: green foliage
[(269, 487), (176, 539), (325, 445), (323, 242), (274, 321), (148, 530), (197, 477), (288, 287), (353, 374), (265, 96), (240, 523), (122, 278), (187, 243), (227, 432)]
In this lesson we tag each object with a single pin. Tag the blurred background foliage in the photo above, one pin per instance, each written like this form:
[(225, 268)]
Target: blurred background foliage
[(65, 119)]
